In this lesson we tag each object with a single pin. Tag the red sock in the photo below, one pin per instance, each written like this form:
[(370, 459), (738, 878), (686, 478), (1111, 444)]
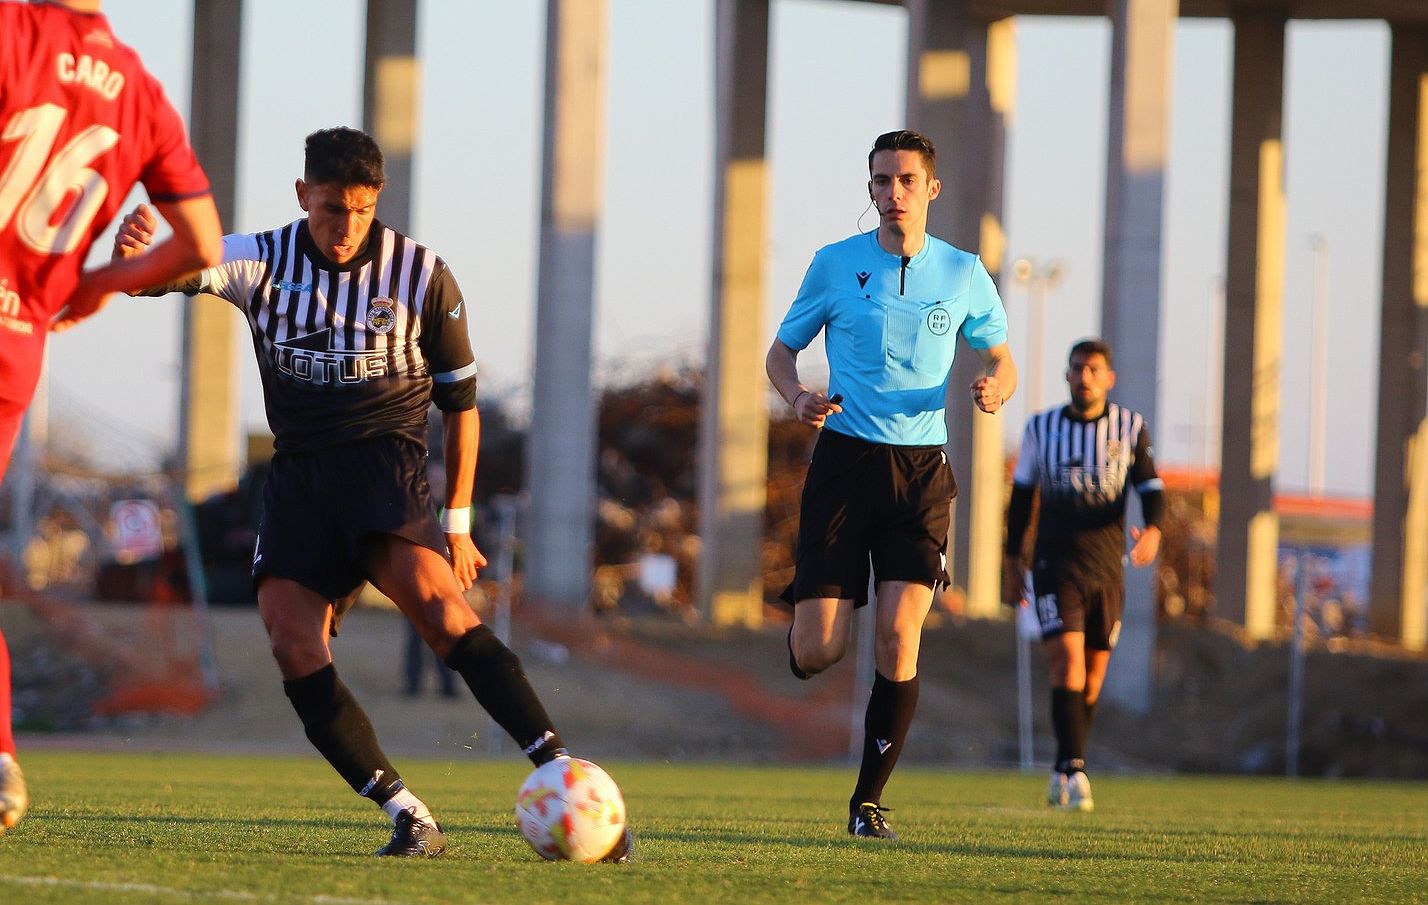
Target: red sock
[(7, 735)]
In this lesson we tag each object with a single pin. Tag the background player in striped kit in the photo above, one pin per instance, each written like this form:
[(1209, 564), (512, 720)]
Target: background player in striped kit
[(1082, 458), (82, 121), (358, 330)]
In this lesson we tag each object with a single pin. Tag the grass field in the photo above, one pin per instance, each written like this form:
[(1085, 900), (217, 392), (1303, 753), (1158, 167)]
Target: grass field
[(136, 828)]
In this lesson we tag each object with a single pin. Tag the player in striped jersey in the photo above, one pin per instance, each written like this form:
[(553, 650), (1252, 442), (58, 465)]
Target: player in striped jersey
[(1082, 458), (358, 330)]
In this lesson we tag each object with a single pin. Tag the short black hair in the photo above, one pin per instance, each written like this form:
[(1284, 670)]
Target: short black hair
[(1093, 346), (906, 140), (344, 157)]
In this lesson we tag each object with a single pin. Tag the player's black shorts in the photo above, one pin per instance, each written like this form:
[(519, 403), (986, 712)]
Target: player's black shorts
[(319, 507), (1066, 602), (862, 499)]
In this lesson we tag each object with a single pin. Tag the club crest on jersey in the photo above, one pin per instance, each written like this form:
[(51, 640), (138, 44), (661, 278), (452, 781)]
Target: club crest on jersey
[(381, 315), (1113, 449), (939, 321)]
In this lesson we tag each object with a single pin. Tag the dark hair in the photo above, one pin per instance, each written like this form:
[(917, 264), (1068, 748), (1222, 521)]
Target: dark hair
[(906, 140), (1092, 347), (343, 157)]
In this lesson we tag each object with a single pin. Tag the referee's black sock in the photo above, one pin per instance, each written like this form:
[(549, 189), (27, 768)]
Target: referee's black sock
[(495, 676), (1068, 718), (890, 710), (339, 729)]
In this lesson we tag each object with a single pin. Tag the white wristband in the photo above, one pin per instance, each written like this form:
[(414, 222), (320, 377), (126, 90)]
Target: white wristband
[(456, 521)]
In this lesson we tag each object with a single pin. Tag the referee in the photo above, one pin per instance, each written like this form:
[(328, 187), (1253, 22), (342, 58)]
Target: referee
[(891, 303), (1083, 458), (358, 330)]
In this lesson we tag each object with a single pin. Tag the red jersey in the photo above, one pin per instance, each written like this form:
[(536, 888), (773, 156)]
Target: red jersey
[(81, 121)]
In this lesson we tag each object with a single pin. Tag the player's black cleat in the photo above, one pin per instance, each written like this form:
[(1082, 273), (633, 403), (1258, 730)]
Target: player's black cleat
[(413, 838), (623, 851), (793, 661), (867, 820)]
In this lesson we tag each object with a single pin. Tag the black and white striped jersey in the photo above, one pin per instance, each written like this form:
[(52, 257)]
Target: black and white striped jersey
[(348, 351), (1083, 471)]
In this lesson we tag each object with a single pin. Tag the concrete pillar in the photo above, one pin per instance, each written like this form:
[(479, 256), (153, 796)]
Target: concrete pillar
[(208, 400), (733, 469), (1247, 549), (391, 99), (1142, 43), (561, 457), (961, 90), (1398, 600)]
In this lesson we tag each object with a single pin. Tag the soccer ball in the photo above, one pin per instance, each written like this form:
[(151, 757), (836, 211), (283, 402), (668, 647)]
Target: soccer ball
[(570, 810)]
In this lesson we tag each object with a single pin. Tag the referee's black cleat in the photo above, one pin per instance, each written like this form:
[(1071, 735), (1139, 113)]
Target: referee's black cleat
[(413, 838), (624, 850), (793, 661), (867, 820)]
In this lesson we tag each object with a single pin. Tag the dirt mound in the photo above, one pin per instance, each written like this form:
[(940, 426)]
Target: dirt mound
[(1220, 705), (658, 689)]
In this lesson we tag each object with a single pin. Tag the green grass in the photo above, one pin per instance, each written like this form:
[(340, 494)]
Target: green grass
[(133, 828)]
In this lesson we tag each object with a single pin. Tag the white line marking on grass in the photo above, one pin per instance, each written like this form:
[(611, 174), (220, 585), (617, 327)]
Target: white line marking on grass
[(150, 889)]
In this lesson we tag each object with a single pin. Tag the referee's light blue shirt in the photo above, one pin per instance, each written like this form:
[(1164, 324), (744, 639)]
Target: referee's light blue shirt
[(892, 332)]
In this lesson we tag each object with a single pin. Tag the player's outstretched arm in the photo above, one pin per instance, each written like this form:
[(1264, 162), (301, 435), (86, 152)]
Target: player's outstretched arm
[(197, 243)]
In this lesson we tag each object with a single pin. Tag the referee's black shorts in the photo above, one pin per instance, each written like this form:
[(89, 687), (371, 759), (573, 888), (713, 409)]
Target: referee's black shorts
[(862, 500), (319, 508)]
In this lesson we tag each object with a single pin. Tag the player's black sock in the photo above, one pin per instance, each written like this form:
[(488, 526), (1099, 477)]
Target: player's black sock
[(1090, 718), (494, 673), (338, 727), (793, 661), (1068, 718), (890, 710)]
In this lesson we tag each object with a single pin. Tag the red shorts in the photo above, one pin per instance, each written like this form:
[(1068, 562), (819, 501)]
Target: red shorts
[(21, 354), (22, 351)]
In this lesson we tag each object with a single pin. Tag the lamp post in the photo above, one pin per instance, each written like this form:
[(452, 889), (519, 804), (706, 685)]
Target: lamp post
[(1037, 280), (1318, 363)]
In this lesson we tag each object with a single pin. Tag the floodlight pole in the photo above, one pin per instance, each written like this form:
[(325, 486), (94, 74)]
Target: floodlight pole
[(506, 512), (1319, 364), (1024, 736), (1037, 281)]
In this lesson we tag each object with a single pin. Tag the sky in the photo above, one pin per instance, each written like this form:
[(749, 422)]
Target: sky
[(836, 81)]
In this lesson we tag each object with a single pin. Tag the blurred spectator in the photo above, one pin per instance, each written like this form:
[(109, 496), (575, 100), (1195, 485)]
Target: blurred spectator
[(418, 658)]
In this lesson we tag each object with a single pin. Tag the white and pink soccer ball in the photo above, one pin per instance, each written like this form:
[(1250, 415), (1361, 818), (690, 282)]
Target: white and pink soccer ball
[(570, 810)]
